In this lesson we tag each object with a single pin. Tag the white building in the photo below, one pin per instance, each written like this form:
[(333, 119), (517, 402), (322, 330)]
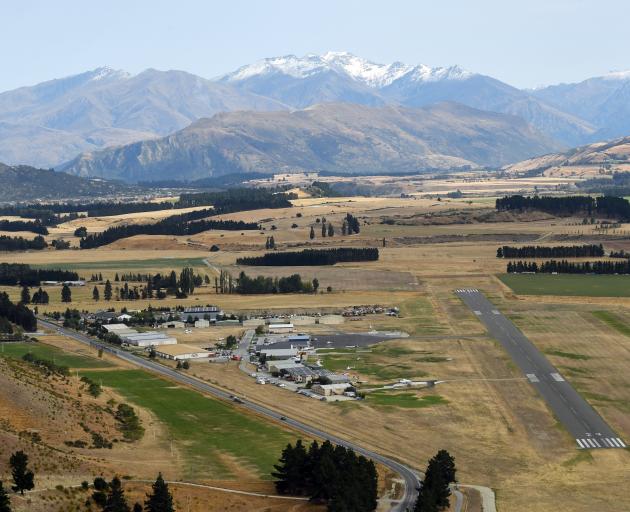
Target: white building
[(181, 352), (279, 353), (148, 339), (280, 328), (330, 389), (201, 324)]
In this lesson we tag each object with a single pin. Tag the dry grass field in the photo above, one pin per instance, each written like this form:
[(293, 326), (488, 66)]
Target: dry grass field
[(482, 410)]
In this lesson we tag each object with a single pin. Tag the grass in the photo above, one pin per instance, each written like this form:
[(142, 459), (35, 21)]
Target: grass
[(169, 263), (367, 365), (404, 400), (613, 321), (417, 317), (568, 355), (202, 428), (48, 352), (588, 285)]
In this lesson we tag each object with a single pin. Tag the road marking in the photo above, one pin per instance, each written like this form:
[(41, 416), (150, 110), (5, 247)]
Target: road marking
[(609, 442), (478, 313), (623, 445), (579, 442), (557, 377), (532, 377), (598, 445), (495, 312)]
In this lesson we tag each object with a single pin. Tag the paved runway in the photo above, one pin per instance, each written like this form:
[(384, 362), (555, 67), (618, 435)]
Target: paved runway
[(578, 417)]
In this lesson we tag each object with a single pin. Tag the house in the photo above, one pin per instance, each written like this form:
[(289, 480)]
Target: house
[(282, 365), (331, 389), (280, 328), (201, 324), (181, 352)]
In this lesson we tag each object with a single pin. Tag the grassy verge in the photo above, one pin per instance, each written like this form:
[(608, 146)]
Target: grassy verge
[(211, 434), (167, 263), (568, 355), (568, 284), (50, 353), (613, 321), (403, 400)]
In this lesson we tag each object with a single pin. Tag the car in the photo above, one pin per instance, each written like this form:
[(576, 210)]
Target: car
[(283, 418), (237, 400)]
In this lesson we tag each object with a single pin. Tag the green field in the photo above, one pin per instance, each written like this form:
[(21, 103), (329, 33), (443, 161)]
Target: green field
[(588, 285), (50, 353), (403, 400), (369, 364), (613, 321), (202, 428), (166, 263)]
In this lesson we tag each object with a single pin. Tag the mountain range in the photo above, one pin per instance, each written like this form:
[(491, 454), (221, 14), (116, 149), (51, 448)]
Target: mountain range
[(334, 137), (50, 123)]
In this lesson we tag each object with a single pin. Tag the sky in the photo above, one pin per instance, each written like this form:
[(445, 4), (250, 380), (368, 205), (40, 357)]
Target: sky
[(525, 43)]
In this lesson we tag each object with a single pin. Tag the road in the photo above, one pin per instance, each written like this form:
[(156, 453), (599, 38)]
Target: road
[(409, 477), (578, 417)]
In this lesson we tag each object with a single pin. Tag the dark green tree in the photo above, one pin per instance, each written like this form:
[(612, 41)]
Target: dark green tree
[(5, 502), (137, 507), (312, 233), (315, 284), (23, 478), (107, 292), (290, 472), (116, 501), (66, 294), (160, 499), (25, 296), (95, 294), (331, 229), (324, 230)]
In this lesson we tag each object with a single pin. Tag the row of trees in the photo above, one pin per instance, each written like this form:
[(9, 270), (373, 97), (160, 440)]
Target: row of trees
[(261, 285), (312, 257), (566, 267), (607, 206), (237, 199), (110, 496), (328, 474), (19, 243), (12, 274), (561, 251), (17, 314), (177, 225), (23, 225)]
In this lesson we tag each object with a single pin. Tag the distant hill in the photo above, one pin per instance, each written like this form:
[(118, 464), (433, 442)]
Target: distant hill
[(611, 155), (24, 183), (340, 138)]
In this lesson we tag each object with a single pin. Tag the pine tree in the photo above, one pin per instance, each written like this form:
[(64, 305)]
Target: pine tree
[(331, 230), (66, 294), (160, 499), (116, 501), (23, 478), (137, 507), (95, 295), (116, 278), (324, 229), (25, 297), (343, 228), (5, 502), (315, 284), (107, 293), (312, 233)]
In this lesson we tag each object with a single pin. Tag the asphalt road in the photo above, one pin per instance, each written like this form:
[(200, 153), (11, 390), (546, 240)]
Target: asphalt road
[(408, 476), (578, 417)]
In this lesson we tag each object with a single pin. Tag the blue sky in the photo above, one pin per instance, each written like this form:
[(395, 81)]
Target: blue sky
[(525, 43)]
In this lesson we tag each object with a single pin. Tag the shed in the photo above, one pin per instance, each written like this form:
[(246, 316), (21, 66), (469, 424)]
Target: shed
[(179, 352), (280, 328), (200, 324)]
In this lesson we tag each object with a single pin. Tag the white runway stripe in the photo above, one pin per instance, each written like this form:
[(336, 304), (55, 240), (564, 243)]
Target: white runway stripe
[(590, 443), (623, 445), (579, 442), (597, 443)]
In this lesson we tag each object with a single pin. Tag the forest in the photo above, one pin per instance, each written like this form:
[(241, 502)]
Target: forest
[(262, 285), (18, 314), (561, 251), (237, 199), (23, 225), (12, 274), (606, 206), (566, 267), (177, 225), (311, 257), (18, 243)]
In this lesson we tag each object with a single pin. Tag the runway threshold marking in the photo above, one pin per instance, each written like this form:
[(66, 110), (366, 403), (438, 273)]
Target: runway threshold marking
[(532, 377), (557, 377)]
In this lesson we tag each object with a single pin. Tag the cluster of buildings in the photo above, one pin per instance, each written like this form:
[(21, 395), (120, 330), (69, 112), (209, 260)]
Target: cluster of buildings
[(369, 310)]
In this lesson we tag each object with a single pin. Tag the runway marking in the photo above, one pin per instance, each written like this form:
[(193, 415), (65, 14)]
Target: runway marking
[(579, 442), (532, 377), (478, 313), (623, 445), (495, 312), (557, 377)]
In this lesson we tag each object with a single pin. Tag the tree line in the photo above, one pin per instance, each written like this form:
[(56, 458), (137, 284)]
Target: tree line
[(17, 314), (311, 257), (23, 225), (12, 274), (237, 199), (18, 243), (566, 267), (607, 206), (176, 225), (328, 474), (561, 251), (262, 285)]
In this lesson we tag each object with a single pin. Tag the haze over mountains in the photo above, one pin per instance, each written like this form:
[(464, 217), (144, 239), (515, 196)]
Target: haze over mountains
[(51, 123)]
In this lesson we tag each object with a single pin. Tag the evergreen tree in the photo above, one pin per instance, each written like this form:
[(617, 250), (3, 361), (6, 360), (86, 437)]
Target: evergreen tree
[(116, 501), (5, 502), (272, 242), (23, 478), (331, 230), (95, 295), (312, 233), (107, 293), (116, 278), (160, 499), (324, 230), (66, 294), (137, 507), (315, 284), (343, 228), (25, 296)]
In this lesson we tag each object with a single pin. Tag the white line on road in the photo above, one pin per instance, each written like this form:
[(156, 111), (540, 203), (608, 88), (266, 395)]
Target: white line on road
[(532, 377), (579, 441), (557, 377)]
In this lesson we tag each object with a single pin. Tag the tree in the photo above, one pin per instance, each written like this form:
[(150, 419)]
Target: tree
[(137, 507), (5, 503), (435, 491), (315, 284), (323, 230), (23, 478), (95, 295), (312, 233), (116, 501), (107, 293), (331, 230), (160, 499), (80, 232), (25, 296), (186, 365), (343, 228), (66, 294)]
